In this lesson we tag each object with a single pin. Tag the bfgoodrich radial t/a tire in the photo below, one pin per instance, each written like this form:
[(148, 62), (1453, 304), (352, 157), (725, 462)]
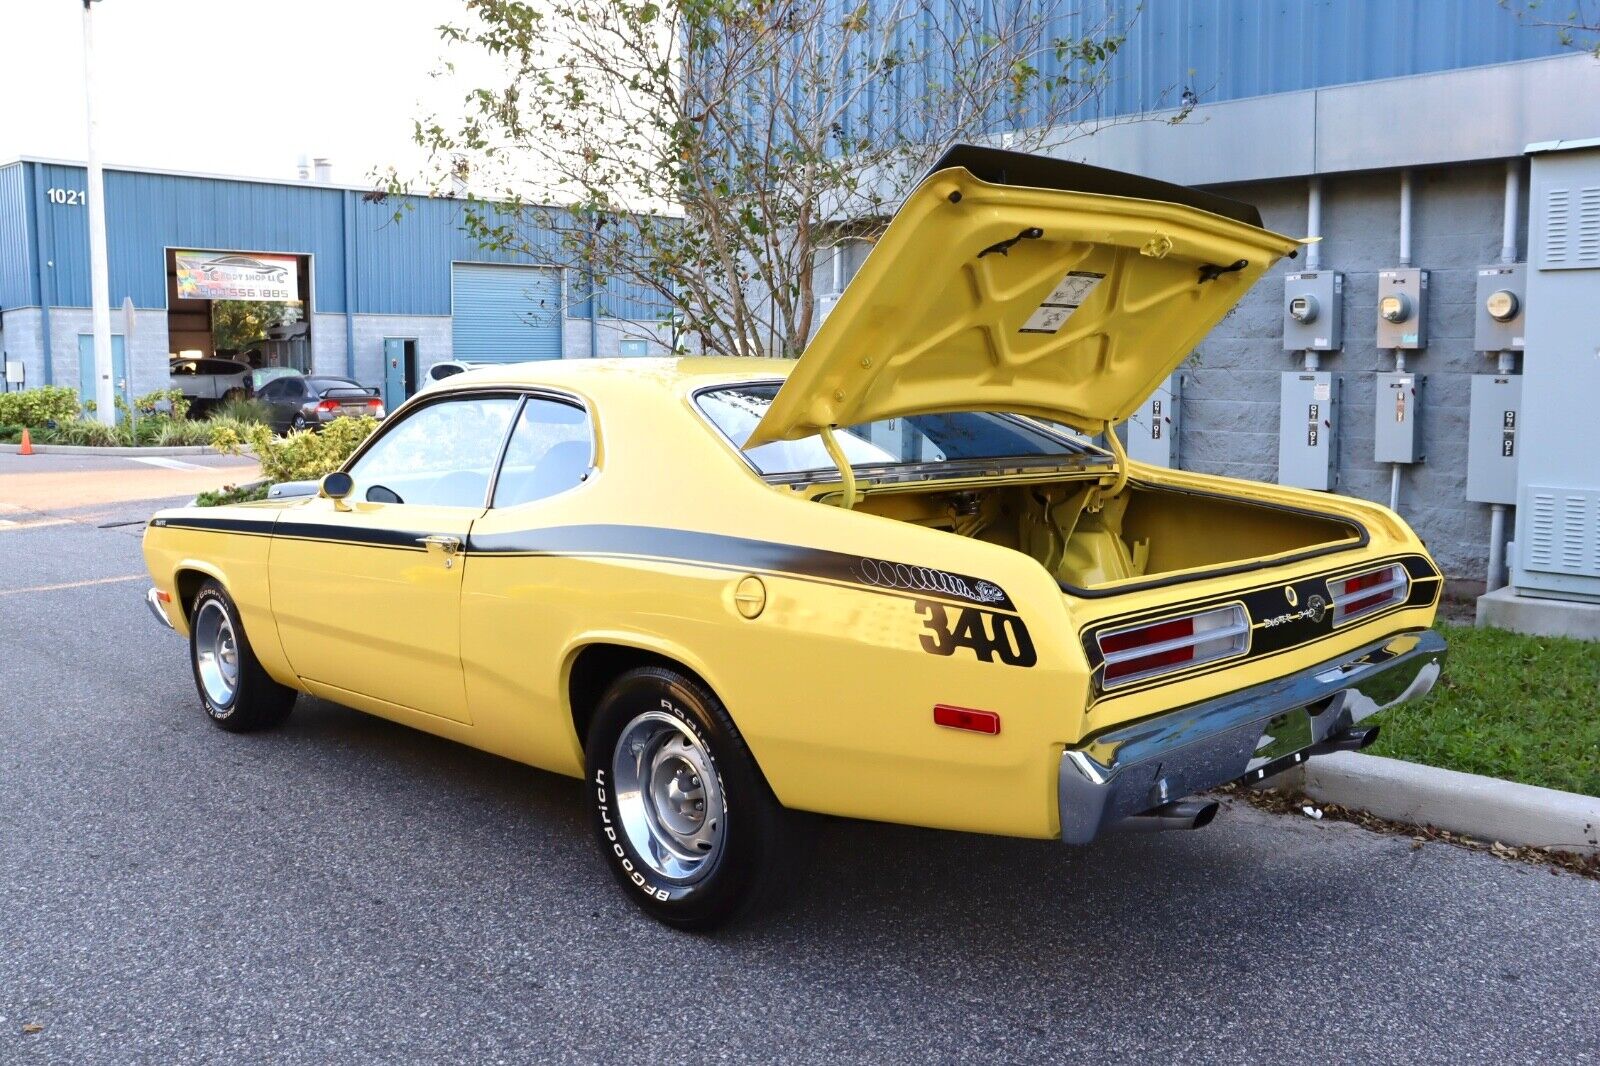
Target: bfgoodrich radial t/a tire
[(235, 691), (682, 814)]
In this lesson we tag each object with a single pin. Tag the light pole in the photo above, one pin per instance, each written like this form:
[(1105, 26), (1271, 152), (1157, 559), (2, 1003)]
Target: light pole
[(99, 283)]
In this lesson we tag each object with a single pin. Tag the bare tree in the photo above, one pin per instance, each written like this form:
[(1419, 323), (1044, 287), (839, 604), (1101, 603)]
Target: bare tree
[(1576, 22), (703, 153)]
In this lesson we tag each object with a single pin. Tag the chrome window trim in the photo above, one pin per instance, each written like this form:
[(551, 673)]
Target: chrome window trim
[(478, 392)]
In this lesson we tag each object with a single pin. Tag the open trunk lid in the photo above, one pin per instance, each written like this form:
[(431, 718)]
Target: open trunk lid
[(1009, 282)]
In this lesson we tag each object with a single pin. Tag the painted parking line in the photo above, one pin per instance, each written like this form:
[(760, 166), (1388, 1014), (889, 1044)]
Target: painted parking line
[(74, 584), (165, 463)]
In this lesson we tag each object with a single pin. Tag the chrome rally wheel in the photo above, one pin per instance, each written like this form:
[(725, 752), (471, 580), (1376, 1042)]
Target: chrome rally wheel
[(681, 812), (216, 655), (668, 796), (238, 694)]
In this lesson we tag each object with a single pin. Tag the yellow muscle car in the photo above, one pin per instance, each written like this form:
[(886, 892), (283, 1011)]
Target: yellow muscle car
[(894, 579)]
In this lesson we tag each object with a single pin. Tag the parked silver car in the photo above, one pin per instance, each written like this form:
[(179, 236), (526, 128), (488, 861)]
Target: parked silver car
[(206, 382)]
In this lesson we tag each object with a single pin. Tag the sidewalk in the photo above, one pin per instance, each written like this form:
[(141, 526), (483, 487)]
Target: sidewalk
[(38, 489)]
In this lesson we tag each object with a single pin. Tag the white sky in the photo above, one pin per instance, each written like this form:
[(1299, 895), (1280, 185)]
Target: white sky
[(226, 86)]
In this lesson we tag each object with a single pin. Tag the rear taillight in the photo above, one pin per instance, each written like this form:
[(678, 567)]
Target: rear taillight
[(1172, 644), (375, 407), (328, 405), (1368, 592)]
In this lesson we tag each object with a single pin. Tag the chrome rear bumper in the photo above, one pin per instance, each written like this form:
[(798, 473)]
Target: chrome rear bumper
[(152, 600), (1129, 771)]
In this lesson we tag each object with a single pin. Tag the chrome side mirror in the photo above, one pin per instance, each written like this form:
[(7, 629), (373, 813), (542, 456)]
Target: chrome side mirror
[(336, 486)]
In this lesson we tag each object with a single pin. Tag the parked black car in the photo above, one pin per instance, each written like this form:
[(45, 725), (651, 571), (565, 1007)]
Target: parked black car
[(308, 402)]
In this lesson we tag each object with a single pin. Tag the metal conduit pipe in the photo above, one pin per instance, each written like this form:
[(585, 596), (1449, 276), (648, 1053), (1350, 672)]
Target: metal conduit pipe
[(1399, 354), (1508, 222), (1314, 249), (1505, 363)]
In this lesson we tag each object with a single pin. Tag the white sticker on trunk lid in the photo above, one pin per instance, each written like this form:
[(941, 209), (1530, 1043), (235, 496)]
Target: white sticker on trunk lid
[(1068, 295)]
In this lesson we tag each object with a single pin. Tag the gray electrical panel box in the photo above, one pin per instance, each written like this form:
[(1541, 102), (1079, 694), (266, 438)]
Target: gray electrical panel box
[(1557, 551), (1153, 429), (1498, 308), (1313, 311), (1402, 308), (1397, 425), (1308, 430), (1492, 438)]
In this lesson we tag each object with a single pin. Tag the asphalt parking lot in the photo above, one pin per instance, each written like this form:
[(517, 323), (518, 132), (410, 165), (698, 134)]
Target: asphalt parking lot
[(346, 890)]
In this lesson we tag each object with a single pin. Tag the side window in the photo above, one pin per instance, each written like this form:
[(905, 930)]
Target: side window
[(271, 392), (549, 452), (441, 454), (187, 369)]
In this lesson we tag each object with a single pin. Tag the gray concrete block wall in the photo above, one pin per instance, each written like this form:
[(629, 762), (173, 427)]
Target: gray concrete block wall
[(22, 338), (328, 344), (431, 332), (609, 333), (1231, 416), (147, 354)]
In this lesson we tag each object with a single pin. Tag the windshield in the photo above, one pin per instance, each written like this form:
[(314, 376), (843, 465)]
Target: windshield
[(933, 438)]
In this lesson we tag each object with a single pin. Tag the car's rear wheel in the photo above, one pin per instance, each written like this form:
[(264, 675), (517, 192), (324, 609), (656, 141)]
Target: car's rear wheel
[(683, 816), (236, 691)]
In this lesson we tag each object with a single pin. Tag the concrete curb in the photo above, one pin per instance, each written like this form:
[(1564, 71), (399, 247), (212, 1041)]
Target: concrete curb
[(1482, 807), (79, 449)]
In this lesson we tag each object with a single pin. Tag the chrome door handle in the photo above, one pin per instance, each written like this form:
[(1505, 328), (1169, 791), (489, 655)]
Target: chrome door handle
[(441, 542)]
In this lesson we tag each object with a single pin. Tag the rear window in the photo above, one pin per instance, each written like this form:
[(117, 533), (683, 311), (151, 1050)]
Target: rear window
[(321, 385), (915, 439)]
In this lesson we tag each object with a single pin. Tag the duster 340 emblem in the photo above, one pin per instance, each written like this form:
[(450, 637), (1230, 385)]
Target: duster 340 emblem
[(986, 633)]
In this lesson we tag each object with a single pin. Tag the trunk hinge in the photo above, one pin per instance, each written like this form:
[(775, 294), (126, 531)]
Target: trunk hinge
[(1104, 492), (847, 476)]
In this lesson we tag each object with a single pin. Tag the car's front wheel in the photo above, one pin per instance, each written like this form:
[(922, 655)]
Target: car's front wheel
[(236, 691), (683, 816)]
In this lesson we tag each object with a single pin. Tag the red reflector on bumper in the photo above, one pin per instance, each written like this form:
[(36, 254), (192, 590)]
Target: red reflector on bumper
[(966, 718)]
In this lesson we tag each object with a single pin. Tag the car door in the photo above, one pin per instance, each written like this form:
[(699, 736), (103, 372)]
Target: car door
[(273, 395), (525, 594), (366, 591)]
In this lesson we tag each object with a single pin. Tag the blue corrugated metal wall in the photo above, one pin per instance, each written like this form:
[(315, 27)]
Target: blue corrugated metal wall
[(1224, 49), (1240, 48), (17, 283), (401, 264)]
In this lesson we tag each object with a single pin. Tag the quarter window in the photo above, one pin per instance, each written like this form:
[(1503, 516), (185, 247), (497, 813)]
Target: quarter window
[(550, 452), (440, 454)]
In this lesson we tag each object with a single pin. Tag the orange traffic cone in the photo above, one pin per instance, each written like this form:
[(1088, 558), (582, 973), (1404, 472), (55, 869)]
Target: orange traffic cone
[(27, 443)]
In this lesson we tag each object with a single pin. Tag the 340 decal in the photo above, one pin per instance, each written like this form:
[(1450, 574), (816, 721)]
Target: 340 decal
[(987, 633)]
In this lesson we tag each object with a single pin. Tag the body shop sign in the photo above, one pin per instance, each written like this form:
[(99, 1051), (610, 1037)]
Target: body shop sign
[(231, 276)]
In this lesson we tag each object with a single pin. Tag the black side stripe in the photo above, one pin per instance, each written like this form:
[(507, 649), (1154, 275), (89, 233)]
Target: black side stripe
[(741, 552), (649, 542)]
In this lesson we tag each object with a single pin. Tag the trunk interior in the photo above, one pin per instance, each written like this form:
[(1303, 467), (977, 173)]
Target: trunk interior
[(1146, 531)]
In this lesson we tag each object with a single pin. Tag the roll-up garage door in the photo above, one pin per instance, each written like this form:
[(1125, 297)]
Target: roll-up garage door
[(505, 314)]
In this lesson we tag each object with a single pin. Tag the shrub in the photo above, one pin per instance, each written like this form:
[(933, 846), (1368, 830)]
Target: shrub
[(232, 494), (300, 456), (239, 409), (83, 432), (38, 407), (146, 404)]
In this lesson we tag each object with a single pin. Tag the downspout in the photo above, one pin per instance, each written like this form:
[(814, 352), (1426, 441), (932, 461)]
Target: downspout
[(847, 476), (39, 271), (594, 315), (349, 292), (1505, 364)]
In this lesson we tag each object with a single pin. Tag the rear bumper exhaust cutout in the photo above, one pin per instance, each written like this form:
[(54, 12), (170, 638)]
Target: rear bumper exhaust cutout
[(1108, 783), (1180, 814)]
